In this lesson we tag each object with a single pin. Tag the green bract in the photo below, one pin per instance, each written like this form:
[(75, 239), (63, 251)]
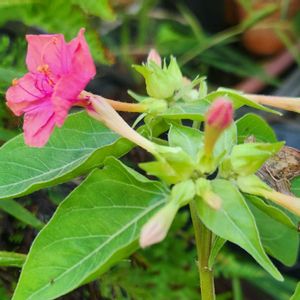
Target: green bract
[(246, 159)]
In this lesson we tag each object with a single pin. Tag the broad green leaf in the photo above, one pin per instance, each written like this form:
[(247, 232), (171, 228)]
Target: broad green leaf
[(237, 99), (295, 186), (97, 225), (251, 124), (296, 295), (190, 111), (189, 139), (275, 212), (235, 223), (278, 234), (79, 146), (19, 212), (11, 259)]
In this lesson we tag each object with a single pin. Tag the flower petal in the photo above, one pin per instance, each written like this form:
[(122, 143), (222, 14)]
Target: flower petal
[(71, 85), (23, 95), (38, 125), (47, 49)]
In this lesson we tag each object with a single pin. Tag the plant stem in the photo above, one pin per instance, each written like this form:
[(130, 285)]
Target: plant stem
[(203, 238)]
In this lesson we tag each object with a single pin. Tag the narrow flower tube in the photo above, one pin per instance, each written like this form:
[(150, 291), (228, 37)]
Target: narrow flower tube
[(102, 111), (217, 119), (253, 185), (117, 105), (286, 103), (156, 229)]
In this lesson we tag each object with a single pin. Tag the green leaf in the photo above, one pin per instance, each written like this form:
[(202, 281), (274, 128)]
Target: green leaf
[(97, 225), (295, 186), (11, 259), (226, 141), (7, 134), (238, 99), (296, 295), (79, 146), (217, 245), (246, 159), (251, 124), (19, 212), (235, 223), (190, 111), (278, 234), (188, 139), (99, 8)]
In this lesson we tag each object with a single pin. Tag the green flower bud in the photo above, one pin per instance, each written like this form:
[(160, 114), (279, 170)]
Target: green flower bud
[(161, 82)]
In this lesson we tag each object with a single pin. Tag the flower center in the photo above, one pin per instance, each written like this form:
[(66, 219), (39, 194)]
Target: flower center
[(45, 70)]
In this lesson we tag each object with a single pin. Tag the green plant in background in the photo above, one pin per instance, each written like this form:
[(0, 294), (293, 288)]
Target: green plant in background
[(116, 209), (170, 101)]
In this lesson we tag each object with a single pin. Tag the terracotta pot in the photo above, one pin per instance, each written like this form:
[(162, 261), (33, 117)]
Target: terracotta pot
[(262, 39)]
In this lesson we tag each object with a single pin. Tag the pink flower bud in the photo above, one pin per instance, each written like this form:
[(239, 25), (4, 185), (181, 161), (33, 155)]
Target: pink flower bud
[(154, 56), (218, 117), (220, 114), (156, 229)]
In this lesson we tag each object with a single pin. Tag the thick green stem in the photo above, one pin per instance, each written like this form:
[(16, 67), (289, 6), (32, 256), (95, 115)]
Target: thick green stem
[(203, 237)]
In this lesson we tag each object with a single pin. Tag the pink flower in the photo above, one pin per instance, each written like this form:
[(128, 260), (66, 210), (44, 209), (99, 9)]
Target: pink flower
[(58, 73), (218, 117)]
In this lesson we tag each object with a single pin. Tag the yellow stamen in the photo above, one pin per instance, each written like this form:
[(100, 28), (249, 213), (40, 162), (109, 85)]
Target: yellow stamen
[(15, 81), (43, 69)]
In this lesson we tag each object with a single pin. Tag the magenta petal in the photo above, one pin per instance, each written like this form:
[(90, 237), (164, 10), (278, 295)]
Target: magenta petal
[(59, 71), (82, 61), (71, 85), (38, 125), (47, 49), (23, 94), (65, 94)]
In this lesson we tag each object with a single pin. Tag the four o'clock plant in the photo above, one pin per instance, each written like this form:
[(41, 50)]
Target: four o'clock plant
[(115, 209)]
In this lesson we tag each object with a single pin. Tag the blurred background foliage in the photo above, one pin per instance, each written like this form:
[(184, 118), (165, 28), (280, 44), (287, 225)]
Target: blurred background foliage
[(229, 41)]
